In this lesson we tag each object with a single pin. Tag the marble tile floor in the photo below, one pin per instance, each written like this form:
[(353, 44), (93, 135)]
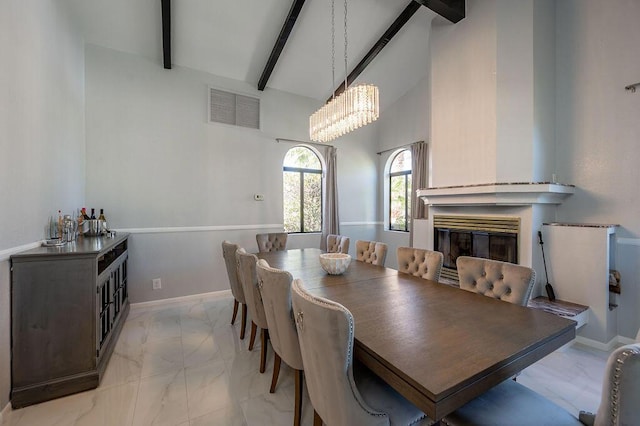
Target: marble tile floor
[(183, 364)]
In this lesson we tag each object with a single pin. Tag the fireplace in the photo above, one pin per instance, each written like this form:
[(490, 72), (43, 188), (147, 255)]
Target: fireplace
[(488, 237)]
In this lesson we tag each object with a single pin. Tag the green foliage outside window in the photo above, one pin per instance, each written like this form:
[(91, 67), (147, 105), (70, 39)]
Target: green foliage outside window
[(302, 191), (400, 191)]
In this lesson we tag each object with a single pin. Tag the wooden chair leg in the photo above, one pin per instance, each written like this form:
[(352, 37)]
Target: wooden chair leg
[(297, 411), (317, 421), (254, 327), (264, 335), (235, 310), (276, 372), (244, 320)]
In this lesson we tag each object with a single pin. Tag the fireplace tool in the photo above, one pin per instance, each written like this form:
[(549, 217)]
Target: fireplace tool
[(550, 294)]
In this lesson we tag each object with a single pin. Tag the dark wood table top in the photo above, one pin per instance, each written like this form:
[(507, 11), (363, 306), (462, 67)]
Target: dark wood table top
[(437, 345)]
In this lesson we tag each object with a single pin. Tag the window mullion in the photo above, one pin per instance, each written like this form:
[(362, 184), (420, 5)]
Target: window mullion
[(302, 202), (406, 202)]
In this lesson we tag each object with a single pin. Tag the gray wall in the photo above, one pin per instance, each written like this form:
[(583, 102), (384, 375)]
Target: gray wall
[(41, 135), (182, 185)]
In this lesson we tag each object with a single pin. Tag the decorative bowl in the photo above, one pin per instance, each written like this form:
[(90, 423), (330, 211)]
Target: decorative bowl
[(335, 263)]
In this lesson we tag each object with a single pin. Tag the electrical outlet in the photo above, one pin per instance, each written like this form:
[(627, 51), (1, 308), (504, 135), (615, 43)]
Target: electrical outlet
[(258, 197), (157, 284)]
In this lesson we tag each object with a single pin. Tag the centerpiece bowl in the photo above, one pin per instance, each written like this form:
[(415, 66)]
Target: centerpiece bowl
[(335, 263)]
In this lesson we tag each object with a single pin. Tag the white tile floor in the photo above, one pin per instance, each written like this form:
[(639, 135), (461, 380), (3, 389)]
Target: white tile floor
[(183, 364)]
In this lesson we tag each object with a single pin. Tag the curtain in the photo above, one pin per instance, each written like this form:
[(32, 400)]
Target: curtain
[(419, 178), (330, 220)]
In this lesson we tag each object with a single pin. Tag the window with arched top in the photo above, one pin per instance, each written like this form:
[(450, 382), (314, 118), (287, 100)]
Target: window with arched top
[(302, 191), (400, 191)]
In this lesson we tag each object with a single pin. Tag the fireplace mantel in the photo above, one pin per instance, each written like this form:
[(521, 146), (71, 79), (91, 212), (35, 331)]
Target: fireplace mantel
[(497, 194)]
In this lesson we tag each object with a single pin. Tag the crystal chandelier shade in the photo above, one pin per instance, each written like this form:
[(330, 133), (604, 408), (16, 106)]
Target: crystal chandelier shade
[(355, 107)]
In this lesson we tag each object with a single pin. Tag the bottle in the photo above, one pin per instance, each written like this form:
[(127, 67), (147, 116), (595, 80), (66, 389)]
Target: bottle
[(93, 213), (84, 214), (60, 223), (103, 222)]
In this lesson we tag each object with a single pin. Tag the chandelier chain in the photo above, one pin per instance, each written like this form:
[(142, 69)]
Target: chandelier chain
[(345, 45), (333, 47)]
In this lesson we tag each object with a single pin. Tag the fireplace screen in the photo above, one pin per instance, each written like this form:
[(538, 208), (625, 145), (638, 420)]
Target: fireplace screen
[(485, 237)]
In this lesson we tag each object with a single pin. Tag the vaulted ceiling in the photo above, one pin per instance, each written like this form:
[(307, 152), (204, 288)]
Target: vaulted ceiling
[(234, 38)]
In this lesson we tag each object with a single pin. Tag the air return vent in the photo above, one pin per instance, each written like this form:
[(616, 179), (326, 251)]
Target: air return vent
[(231, 108)]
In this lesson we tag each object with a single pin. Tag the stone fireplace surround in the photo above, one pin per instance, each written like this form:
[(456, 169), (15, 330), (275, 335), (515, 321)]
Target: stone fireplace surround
[(533, 202)]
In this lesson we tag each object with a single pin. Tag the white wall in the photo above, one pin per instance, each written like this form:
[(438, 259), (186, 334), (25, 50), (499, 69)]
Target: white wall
[(153, 161), (598, 129), (41, 135)]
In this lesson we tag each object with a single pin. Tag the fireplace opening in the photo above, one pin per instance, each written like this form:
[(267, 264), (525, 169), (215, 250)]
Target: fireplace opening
[(493, 238)]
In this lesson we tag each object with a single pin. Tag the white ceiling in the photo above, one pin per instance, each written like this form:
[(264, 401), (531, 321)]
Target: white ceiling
[(234, 38)]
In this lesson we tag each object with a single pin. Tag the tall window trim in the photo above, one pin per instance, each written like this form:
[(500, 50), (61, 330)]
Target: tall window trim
[(407, 199), (302, 172)]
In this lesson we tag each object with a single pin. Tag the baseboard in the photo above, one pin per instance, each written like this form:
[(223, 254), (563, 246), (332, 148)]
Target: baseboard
[(608, 347), (173, 300)]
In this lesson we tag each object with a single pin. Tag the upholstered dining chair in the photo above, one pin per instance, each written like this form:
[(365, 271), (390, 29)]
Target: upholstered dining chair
[(337, 244), (274, 241), (229, 254), (275, 286), (421, 263), (341, 393), (249, 279), (511, 403), (500, 280), (371, 252)]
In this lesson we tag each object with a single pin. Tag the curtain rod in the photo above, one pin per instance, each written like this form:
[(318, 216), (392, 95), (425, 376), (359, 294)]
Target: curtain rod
[(305, 142), (397, 147)]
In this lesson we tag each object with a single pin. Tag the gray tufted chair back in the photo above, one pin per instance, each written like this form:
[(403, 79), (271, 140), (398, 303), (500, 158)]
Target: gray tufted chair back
[(337, 244), (621, 388), (275, 287), (500, 280), (325, 330), (371, 252), (275, 241), (421, 263), (229, 254), (249, 279)]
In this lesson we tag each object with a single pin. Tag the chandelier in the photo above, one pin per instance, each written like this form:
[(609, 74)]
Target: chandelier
[(355, 107)]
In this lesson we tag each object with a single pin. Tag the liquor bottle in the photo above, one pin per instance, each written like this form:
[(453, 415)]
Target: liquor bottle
[(93, 213), (103, 222), (60, 224), (84, 214)]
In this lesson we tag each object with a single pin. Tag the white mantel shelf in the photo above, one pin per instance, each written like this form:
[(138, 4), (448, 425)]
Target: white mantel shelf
[(497, 194)]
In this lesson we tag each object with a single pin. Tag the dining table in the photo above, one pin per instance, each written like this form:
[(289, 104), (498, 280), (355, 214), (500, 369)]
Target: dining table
[(437, 345)]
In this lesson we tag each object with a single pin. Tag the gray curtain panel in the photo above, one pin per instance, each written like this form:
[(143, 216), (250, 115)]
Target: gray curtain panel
[(419, 177), (330, 219)]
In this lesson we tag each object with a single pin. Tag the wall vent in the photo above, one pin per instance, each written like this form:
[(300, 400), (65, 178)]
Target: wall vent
[(231, 108)]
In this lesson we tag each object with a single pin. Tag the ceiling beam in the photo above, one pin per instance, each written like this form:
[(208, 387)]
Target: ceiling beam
[(166, 33), (287, 27), (453, 10), (402, 19)]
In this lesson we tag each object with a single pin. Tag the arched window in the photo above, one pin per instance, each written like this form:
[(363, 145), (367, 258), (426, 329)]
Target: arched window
[(302, 187), (400, 191)]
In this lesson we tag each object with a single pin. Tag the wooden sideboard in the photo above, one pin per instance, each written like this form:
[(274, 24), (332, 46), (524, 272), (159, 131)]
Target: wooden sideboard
[(68, 305)]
